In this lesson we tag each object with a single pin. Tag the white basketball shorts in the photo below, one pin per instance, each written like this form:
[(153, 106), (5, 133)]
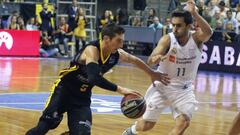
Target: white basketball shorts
[(179, 100)]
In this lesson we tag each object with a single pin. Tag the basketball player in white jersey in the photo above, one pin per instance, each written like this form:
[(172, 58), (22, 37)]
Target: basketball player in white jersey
[(178, 55)]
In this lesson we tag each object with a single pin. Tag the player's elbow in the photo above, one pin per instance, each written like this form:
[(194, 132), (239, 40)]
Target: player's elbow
[(208, 33), (93, 80)]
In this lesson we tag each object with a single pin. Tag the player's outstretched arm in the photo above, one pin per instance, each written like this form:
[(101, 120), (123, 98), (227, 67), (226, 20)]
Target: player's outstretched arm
[(126, 57), (91, 56), (205, 31)]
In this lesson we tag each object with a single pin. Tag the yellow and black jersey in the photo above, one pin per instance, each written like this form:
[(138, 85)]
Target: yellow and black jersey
[(75, 78)]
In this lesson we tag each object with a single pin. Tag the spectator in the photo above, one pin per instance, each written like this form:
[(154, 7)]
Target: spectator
[(206, 15), (31, 24), (156, 24), (121, 17), (21, 23), (168, 24), (230, 19), (213, 8), (13, 24), (238, 14), (229, 34), (79, 31), (151, 15), (72, 11), (215, 18), (62, 36), (46, 19), (136, 21), (218, 31), (223, 9), (104, 20), (47, 48), (14, 13)]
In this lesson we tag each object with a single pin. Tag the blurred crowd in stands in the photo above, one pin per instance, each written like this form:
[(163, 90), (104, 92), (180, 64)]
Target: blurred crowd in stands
[(222, 15)]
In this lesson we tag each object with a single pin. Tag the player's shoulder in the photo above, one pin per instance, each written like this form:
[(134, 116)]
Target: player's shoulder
[(166, 39), (166, 36), (90, 49)]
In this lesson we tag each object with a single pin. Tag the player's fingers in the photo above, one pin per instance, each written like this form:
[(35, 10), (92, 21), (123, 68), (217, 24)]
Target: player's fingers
[(167, 79), (165, 82)]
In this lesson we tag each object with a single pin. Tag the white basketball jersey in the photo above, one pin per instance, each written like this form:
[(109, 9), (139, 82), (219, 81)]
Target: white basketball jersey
[(182, 62)]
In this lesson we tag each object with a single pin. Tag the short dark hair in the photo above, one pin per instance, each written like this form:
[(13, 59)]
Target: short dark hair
[(185, 14), (112, 29), (222, 3)]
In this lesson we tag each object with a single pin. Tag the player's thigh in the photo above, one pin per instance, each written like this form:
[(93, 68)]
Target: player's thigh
[(185, 103), (155, 104), (56, 100), (80, 121)]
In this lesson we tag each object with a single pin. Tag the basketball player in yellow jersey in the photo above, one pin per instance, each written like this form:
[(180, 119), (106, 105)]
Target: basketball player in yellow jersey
[(235, 128), (178, 55)]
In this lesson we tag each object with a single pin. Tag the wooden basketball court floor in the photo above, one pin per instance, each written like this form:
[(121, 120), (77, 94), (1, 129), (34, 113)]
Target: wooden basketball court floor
[(218, 95)]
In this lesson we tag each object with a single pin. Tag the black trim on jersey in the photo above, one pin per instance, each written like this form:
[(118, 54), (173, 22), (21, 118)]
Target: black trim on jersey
[(94, 78)]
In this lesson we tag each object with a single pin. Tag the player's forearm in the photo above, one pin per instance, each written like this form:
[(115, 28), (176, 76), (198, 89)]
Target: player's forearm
[(204, 26), (94, 78), (140, 64), (153, 60)]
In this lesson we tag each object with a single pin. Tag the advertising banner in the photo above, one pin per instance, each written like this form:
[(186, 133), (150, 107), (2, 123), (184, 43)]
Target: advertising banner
[(19, 43), (221, 56)]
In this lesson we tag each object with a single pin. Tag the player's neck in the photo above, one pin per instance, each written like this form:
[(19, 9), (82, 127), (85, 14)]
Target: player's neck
[(106, 50), (183, 40)]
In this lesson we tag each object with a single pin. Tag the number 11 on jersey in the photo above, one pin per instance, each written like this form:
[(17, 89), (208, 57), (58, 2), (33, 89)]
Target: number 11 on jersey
[(181, 71)]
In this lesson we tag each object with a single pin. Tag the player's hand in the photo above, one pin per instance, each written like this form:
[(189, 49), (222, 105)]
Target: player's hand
[(191, 6), (125, 91), (158, 76)]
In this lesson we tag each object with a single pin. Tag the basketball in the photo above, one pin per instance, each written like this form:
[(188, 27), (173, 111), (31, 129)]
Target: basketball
[(133, 106)]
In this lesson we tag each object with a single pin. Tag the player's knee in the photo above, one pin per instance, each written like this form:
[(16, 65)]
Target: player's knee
[(183, 122), (146, 125), (52, 120)]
